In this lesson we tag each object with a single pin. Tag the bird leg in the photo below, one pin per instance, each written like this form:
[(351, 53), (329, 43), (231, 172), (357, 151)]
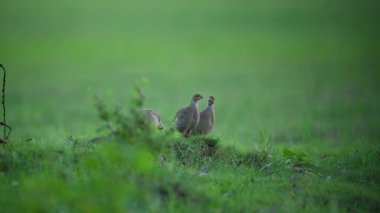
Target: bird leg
[(186, 133)]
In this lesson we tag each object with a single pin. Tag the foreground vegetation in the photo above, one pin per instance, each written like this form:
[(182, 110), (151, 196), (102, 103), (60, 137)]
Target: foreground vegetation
[(134, 167)]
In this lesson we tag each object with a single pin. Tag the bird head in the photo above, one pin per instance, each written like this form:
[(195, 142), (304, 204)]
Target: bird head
[(197, 97), (211, 100)]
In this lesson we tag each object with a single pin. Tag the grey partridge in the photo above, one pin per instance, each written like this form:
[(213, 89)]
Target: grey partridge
[(153, 118), (207, 118), (187, 118)]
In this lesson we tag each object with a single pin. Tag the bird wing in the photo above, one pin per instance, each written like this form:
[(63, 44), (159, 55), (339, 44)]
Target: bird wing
[(182, 114), (156, 115), (160, 125)]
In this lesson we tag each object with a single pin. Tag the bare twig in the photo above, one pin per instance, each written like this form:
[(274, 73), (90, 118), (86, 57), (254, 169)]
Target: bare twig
[(4, 123), (9, 128), (2, 141)]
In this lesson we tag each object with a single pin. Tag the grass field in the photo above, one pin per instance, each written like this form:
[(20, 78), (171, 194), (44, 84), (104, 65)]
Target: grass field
[(297, 105)]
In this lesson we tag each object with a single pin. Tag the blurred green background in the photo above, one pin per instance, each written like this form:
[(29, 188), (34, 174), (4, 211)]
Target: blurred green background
[(298, 70)]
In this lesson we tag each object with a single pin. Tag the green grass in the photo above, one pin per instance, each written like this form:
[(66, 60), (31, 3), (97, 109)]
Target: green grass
[(297, 107)]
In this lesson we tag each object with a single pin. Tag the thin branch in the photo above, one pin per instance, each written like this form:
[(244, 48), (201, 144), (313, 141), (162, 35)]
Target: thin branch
[(4, 123), (9, 128)]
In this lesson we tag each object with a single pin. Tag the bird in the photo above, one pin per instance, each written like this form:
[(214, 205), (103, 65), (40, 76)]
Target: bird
[(153, 118), (206, 118), (187, 118)]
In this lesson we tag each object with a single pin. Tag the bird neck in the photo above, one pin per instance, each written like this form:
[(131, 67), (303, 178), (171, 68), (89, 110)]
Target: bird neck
[(193, 103)]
